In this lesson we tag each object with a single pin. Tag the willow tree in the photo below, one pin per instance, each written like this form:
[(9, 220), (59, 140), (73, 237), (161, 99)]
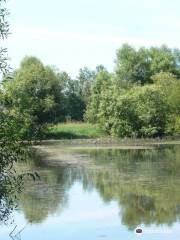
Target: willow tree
[(11, 148)]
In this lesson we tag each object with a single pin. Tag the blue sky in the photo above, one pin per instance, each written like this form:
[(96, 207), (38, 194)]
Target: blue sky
[(71, 34)]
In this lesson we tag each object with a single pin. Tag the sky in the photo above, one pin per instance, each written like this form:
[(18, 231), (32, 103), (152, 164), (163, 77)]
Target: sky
[(71, 34)]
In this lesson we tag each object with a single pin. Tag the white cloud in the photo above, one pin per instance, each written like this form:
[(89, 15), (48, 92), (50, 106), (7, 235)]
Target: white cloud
[(80, 36)]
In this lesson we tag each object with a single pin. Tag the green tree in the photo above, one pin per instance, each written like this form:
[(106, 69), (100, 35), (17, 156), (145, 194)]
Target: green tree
[(142, 97), (137, 66), (36, 91), (101, 82), (152, 109), (164, 59), (74, 105), (140, 111), (85, 79), (132, 66), (4, 32), (11, 148), (170, 86)]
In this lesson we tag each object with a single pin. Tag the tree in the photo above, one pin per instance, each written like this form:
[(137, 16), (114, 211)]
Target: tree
[(132, 66), (74, 102), (152, 109), (138, 66), (170, 86), (36, 91), (102, 81), (4, 32), (164, 59), (85, 79), (140, 111), (11, 148)]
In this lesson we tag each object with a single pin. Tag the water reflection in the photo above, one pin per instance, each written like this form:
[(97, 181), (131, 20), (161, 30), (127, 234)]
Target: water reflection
[(10, 181), (143, 182)]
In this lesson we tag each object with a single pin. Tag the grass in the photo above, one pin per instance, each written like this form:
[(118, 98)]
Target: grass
[(74, 131), (79, 130)]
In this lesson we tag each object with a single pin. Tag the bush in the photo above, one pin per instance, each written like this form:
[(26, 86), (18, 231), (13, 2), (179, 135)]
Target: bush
[(140, 111)]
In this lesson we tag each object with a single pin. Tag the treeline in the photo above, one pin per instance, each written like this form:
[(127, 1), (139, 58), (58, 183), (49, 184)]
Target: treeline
[(37, 95), (141, 98)]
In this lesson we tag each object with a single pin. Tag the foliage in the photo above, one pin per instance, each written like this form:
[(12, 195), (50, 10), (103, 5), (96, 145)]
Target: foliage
[(4, 32), (12, 148), (45, 94), (8, 147), (35, 90), (137, 66), (142, 98), (101, 82), (74, 103), (85, 80), (170, 86), (11, 151), (138, 112)]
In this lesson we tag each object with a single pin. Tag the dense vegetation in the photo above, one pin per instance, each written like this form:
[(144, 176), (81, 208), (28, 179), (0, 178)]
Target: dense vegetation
[(38, 95), (9, 148), (12, 128), (140, 99)]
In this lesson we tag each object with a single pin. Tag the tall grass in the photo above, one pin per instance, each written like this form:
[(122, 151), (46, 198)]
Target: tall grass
[(74, 130)]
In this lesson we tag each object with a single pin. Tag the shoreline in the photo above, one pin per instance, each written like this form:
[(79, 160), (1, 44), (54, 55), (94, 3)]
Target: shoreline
[(110, 143)]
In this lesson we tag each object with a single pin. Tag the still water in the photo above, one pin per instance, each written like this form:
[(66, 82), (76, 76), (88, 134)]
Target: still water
[(99, 193)]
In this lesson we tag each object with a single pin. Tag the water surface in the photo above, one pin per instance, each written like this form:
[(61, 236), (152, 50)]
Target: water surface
[(100, 193)]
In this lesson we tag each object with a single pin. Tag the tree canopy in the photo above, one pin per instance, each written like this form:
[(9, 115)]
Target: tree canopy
[(137, 66), (142, 97)]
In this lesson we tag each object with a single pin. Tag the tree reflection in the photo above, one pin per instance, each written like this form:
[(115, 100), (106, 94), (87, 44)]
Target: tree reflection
[(10, 182), (143, 182), (44, 197)]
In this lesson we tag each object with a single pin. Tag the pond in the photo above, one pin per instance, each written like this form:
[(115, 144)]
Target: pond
[(99, 193)]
